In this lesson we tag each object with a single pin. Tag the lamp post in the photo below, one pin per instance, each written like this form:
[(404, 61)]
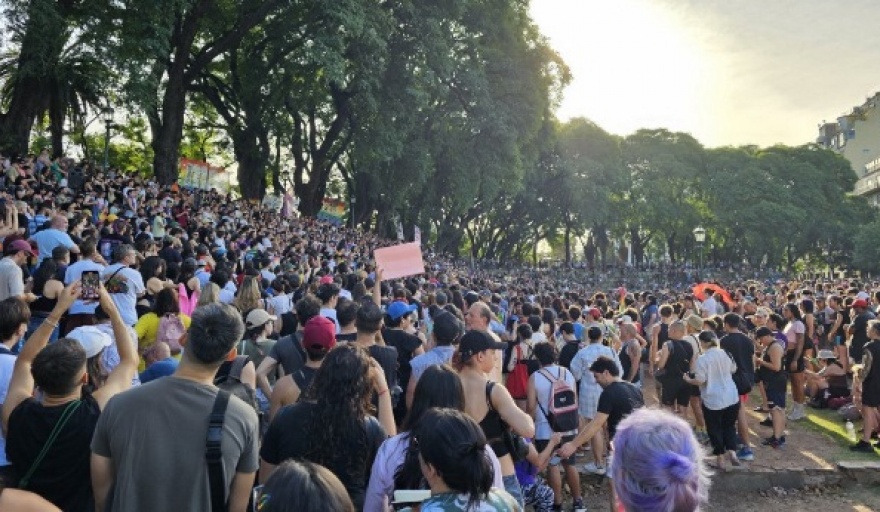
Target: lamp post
[(107, 115), (700, 237)]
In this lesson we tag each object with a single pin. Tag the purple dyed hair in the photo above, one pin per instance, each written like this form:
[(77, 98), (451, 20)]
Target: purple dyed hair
[(658, 464)]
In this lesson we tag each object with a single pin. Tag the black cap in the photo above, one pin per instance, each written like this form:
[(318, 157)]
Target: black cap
[(474, 342), (447, 328)]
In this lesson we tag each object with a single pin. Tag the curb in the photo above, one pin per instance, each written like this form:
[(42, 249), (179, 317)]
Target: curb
[(760, 479)]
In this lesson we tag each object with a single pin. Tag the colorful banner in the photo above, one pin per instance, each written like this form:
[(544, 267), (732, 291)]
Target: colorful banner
[(201, 175), (333, 211)]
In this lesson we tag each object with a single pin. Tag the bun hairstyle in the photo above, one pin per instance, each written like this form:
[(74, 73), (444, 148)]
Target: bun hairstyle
[(658, 464), (455, 447)]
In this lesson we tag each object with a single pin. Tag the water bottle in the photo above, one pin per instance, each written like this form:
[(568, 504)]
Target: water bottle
[(851, 431)]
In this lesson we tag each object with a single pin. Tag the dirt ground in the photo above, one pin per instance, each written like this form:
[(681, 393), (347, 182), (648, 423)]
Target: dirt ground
[(807, 446), (855, 499)]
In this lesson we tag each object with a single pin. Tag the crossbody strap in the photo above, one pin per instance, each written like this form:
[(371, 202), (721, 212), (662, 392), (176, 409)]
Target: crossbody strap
[(59, 425), (214, 453)]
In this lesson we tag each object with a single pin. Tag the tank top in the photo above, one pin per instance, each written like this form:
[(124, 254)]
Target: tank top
[(303, 379), (625, 361), (492, 425), (768, 376), (43, 306), (679, 359)]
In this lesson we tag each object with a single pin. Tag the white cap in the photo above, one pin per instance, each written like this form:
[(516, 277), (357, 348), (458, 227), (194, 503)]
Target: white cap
[(92, 339)]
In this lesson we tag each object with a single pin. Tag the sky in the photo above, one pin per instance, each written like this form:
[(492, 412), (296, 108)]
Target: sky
[(728, 72)]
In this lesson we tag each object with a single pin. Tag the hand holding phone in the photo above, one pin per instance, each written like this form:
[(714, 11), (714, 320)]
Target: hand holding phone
[(91, 281)]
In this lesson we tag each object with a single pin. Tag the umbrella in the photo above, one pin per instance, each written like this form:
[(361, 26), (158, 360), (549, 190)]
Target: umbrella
[(702, 290)]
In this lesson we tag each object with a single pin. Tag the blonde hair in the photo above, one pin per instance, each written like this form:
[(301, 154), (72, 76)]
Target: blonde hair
[(210, 295), (248, 296)]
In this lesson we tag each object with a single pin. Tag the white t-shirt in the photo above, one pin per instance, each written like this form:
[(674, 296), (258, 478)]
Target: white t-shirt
[(74, 273), (709, 306), (126, 302), (543, 388)]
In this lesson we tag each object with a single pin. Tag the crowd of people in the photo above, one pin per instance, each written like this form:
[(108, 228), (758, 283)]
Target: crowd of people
[(169, 349)]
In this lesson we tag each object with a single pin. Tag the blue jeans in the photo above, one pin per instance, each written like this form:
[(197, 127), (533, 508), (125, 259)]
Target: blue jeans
[(34, 324), (511, 485)]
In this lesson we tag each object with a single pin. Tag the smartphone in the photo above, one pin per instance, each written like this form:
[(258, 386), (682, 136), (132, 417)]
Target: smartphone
[(91, 281)]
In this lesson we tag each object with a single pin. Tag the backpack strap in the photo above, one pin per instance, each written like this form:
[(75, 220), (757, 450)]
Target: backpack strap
[(59, 425), (214, 452), (489, 386)]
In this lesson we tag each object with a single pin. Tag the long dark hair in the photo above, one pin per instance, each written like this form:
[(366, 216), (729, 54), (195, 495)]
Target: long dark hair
[(439, 386), (44, 274), (455, 446), (152, 266), (341, 392)]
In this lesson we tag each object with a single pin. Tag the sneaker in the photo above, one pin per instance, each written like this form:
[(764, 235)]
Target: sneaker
[(773, 442), (767, 422), (863, 447), (578, 505), (592, 467), (797, 414), (745, 453)]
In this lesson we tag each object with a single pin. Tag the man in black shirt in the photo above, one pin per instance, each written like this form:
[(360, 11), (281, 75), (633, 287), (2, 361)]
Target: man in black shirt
[(398, 323), (618, 400), (742, 349), (858, 330)]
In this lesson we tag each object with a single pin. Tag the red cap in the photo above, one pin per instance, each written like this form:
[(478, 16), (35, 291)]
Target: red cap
[(860, 303), (325, 280), (595, 313), (319, 332), (20, 245)]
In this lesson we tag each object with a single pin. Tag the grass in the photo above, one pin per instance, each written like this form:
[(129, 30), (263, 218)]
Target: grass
[(832, 424)]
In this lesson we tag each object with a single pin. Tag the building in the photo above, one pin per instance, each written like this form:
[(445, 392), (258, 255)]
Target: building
[(856, 136)]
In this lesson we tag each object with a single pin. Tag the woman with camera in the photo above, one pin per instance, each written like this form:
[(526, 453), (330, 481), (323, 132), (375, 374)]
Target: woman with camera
[(491, 404), (714, 374)]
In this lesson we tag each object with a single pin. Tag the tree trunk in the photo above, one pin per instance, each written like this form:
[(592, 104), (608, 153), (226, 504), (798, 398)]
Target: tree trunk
[(252, 162), (40, 48), (670, 242), (166, 145)]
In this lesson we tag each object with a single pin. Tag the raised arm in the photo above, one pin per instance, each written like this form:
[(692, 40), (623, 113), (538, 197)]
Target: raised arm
[(377, 287), (21, 385), (120, 378)]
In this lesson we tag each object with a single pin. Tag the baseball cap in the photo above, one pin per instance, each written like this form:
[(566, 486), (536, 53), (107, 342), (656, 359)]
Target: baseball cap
[(399, 308), (595, 313), (92, 339), (858, 303), (474, 342), (20, 245), (446, 326), (319, 333), (326, 280), (258, 317)]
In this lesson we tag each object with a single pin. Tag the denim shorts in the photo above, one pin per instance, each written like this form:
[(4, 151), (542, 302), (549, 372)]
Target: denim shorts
[(511, 485)]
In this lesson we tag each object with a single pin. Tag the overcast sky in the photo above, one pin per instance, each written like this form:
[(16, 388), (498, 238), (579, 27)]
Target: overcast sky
[(728, 72)]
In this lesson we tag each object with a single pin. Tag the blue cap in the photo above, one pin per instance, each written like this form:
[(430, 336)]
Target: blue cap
[(398, 309)]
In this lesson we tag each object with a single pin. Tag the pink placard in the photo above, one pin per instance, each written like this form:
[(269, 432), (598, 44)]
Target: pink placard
[(400, 261)]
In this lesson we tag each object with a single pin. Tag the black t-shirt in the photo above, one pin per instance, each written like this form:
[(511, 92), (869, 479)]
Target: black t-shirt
[(617, 401), (860, 334), (170, 255), (63, 475), (387, 359), (288, 351), (569, 350), (742, 348), (406, 344), (287, 438), (346, 338)]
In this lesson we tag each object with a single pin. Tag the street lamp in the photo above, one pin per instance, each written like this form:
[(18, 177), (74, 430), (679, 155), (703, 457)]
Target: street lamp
[(700, 237), (107, 115)]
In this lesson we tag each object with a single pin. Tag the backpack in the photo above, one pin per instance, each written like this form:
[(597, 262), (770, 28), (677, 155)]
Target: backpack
[(231, 381), (518, 379), (171, 329), (562, 407)]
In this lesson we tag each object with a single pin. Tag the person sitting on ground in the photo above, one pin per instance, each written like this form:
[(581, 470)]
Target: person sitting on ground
[(657, 464), (827, 383)]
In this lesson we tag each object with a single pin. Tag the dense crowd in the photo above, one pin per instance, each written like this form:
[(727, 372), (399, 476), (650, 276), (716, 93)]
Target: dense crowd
[(169, 349)]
